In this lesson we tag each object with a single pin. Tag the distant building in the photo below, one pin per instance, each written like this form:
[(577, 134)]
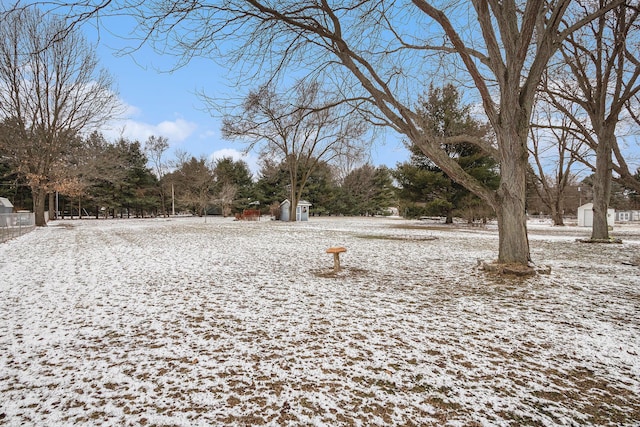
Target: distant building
[(627, 216), (302, 210), (5, 206), (585, 216)]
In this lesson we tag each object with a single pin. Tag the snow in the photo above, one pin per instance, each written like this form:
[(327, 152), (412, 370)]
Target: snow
[(182, 322)]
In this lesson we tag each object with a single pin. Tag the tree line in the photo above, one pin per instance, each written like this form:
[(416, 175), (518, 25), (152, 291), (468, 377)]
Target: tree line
[(545, 76), (115, 179), (128, 179)]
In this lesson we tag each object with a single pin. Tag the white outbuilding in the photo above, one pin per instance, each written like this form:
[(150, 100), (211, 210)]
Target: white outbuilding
[(302, 210), (585, 216), (5, 206)]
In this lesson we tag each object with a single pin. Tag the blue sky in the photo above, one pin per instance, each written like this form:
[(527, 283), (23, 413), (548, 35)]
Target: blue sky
[(165, 103)]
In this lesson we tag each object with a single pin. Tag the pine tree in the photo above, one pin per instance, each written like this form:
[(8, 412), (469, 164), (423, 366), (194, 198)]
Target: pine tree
[(424, 184)]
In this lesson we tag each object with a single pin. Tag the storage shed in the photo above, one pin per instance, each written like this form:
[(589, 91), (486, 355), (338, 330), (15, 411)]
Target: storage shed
[(627, 216), (5, 206), (302, 210), (585, 216)]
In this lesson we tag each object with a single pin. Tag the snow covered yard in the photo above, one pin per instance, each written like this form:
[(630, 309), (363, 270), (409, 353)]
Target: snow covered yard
[(185, 323)]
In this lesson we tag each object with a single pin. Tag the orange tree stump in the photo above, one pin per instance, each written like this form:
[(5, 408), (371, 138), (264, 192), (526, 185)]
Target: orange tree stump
[(336, 251)]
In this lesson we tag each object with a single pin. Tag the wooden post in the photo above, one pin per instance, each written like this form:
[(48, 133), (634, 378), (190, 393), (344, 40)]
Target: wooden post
[(336, 251)]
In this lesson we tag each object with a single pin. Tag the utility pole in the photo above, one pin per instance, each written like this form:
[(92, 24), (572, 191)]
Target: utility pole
[(579, 197), (173, 201)]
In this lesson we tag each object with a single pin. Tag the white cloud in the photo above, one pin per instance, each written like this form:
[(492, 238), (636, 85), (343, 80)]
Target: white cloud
[(176, 131), (209, 134), (130, 110)]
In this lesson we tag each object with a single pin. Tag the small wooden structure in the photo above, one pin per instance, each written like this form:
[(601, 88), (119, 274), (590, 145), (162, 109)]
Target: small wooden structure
[(5, 206), (336, 251), (302, 210), (249, 215)]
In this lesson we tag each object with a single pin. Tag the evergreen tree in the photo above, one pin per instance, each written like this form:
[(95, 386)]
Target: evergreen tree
[(233, 184), (138, 188), (320, 190), (424, 188), (367, 191), (119, 180), (273, 186)]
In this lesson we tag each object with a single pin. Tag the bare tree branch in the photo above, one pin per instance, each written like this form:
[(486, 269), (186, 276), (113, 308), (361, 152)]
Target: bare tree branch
[(51, 91)]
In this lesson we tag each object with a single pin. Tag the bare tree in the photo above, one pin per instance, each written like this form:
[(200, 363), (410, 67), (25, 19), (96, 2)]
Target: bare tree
[(50, 90), (602, 60), (352, 160), (378, 53), (155, 147), (226, 196), (554, 151), (194, 181), (301, 133), (233, 183)]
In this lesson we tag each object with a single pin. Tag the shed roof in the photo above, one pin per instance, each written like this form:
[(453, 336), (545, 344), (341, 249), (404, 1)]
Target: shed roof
[(589, 206), (4, 202), (300, 203)]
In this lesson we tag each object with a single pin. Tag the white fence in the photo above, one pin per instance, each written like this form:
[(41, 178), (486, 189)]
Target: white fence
[(16, 224)]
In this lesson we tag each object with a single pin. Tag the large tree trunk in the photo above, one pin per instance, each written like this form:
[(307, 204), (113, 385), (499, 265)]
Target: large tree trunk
[(293, 179), (557, 217), (293, 207), (513, 246), (557, 208), (39, 198), (601, 189)]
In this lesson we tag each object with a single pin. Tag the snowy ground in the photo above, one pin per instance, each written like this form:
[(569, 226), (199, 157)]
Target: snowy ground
[(184, 323)]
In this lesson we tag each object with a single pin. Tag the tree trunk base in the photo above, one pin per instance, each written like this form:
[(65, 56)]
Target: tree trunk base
[(518, 270), (609, 240)]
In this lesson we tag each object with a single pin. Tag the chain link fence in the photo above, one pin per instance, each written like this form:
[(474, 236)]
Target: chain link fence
[(16, 224)]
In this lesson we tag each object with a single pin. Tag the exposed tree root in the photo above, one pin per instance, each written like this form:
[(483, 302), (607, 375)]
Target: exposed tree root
[(517, 270)]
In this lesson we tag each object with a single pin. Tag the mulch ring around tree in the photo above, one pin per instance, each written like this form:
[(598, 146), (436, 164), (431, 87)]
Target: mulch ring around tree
[(609, 240)]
